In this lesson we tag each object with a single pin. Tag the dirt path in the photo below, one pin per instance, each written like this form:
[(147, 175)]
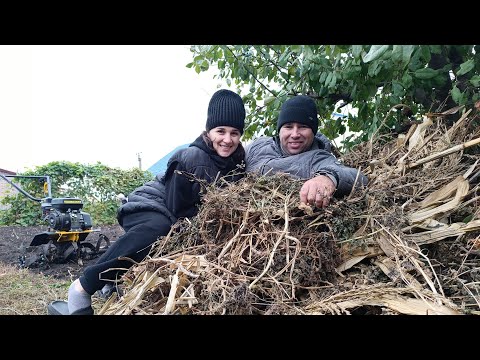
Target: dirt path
[(15, 241)]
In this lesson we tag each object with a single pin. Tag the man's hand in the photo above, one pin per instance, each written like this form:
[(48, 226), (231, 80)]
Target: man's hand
[(317, 191)]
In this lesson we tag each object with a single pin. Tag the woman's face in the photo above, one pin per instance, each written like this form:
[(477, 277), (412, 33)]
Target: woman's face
[(225, 140)]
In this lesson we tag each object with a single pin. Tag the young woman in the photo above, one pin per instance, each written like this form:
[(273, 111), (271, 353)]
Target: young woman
[(153, 208)]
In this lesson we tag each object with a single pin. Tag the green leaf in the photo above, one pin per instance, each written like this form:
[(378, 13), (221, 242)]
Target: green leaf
[(283, 59), (357, 51), (397, 88), (375, 52), (296, 48), (353, 93), (323, 77), (456, 95), (402, 54), (372, 90), (407, 80), (425, 73), (328, 79), (407, 53), (397, 53), (425, 53), (415, 62), (475, 80), (374, 68), (435, 49), (466, 67), (204, 66), (269, 99), (333, 81)]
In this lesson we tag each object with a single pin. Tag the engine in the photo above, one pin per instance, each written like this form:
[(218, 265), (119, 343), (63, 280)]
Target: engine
[(64, 214)]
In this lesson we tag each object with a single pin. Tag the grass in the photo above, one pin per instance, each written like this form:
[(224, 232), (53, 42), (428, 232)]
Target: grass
[(26, 293)]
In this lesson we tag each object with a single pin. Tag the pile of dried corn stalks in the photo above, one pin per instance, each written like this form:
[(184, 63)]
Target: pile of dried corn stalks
[(407, 244)]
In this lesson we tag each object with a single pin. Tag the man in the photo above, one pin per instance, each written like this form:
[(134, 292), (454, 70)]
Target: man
[(303, 153)]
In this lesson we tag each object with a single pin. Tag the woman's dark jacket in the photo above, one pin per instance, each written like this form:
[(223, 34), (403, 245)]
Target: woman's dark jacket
[(175, 195)]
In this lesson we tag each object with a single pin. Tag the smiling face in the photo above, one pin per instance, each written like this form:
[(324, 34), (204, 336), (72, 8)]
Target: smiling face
[(295, 138), (225, 140)]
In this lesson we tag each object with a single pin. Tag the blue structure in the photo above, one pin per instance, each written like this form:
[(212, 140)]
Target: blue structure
[(161, 165), (338, 115)]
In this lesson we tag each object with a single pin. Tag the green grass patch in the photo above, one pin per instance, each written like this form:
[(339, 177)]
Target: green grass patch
[(25, 293)]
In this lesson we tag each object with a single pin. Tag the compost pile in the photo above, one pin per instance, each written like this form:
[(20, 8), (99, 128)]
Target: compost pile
[(408, 243)]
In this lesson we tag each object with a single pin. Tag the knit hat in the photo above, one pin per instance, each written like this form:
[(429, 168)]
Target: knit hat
[(226, 108), (300, 109)]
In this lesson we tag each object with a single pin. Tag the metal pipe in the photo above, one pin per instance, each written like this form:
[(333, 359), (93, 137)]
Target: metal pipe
[(49, 189)]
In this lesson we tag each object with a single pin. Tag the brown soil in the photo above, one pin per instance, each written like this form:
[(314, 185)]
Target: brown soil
[(15, 243)]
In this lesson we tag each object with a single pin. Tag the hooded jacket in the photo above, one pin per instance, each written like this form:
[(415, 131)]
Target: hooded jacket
[(175, 195), (265, 156)]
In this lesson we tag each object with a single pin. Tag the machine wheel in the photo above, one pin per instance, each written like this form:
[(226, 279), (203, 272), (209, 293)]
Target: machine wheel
[(103, 243), (49, 251), (87, 250), (64, 252)]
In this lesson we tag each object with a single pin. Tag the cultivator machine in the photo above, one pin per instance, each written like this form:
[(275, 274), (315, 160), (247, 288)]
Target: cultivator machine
[(68, 228)]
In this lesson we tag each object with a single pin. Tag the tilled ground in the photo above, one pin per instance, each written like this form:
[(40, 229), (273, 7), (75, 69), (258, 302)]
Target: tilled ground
[(15, 241)]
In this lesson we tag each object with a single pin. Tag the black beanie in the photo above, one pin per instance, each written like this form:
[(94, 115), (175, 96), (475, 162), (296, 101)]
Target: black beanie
[(300, 109), (226, 108)]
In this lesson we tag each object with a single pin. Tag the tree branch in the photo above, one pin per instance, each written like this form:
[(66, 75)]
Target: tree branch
[(258, 81)]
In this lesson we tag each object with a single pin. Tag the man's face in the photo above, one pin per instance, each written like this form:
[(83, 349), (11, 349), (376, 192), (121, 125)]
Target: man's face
[(295, 138)]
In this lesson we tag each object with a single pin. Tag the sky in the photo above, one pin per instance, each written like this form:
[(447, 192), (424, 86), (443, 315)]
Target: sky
[(106, 103)]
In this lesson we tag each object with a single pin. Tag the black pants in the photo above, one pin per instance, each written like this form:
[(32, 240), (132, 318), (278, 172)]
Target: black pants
[(141, 231)]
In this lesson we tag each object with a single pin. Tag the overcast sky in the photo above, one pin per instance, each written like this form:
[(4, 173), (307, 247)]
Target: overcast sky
[(89, 103)]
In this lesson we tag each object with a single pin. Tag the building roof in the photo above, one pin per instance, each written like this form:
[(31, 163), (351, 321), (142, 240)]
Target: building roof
[(161, 165), (7, 172)]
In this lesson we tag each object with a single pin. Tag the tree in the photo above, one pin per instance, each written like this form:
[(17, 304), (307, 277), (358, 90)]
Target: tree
[(96, 185), (385, 84)]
